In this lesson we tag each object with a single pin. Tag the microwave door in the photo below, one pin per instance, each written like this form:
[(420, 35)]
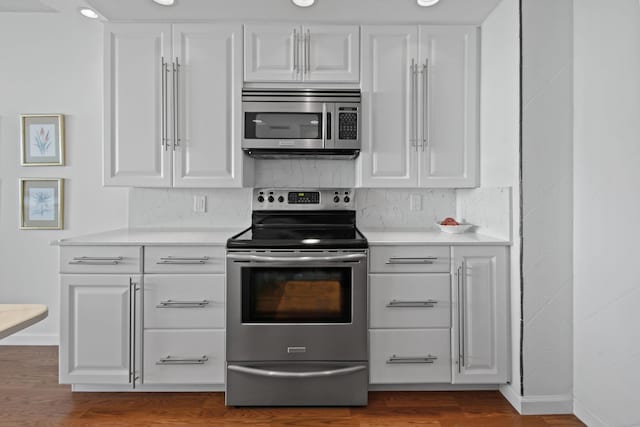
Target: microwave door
[(286, 125)]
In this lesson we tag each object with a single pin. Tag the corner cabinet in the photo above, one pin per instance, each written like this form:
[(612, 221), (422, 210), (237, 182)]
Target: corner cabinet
[(295, 53), (172, 111), (480, 316), (420, 94)]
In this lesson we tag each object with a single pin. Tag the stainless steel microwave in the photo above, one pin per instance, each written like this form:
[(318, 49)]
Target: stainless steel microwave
[(306, 123)]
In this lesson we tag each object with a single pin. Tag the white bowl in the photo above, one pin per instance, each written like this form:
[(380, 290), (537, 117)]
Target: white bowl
[(454, 229)]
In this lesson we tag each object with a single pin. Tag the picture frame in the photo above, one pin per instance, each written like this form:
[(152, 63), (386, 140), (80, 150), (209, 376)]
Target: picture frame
[(41, 203), (42, 139)]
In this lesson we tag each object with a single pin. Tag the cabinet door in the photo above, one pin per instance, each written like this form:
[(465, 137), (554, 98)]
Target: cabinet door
[(480, 318), (332, 53), (449, 106), (135, 149), (271, 53), (100, 319), (388, 158), (208, 105)]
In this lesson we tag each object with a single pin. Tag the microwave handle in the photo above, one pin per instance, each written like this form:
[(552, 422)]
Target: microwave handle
[(328, 126), (324, 127)]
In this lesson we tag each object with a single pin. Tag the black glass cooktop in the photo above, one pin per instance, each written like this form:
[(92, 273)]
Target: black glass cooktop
[(300, 230)]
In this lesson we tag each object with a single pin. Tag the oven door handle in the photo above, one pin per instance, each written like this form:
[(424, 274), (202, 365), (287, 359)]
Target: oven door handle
[(262, 258), (284, 374)]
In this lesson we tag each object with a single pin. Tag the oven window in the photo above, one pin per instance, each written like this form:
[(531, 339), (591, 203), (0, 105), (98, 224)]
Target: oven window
[(296, 295), (282, 125)]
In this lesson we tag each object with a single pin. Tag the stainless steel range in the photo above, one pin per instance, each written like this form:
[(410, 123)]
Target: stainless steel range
[(296, 302)]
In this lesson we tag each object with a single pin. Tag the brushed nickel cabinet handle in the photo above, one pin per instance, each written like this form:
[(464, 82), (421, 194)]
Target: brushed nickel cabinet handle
[(176, 104), (420, 359), (411, 260), (427, 304), (173, 360), (426, 125), (89, 260), (183, 304)]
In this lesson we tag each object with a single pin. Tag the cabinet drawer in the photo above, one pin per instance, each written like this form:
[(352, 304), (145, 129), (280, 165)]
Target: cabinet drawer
[(184, 259), (100, 259), (410, 300), (410, 259), (184, 301), (410, 356), (184, 357)]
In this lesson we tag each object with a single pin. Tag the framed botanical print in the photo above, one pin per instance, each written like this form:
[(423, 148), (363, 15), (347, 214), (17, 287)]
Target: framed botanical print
[(42, 139), (41, 203)]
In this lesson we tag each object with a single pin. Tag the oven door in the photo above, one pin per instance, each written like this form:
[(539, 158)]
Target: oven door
[(287, 125), (297, 306)]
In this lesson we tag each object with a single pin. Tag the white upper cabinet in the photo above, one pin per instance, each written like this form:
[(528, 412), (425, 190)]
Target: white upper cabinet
[(134, 130), (294, 53), (449, 107), (420, 103), (480, 317), (172, 105), (208, 114), (388, 155), (333, 53)]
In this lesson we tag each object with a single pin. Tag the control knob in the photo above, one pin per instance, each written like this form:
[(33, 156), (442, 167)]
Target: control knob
[(347, 199), (260, 199), (281, 199), (270, 199), (336, 199)]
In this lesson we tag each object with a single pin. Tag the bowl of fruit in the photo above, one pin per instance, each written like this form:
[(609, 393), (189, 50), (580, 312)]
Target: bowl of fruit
[(450, 225)]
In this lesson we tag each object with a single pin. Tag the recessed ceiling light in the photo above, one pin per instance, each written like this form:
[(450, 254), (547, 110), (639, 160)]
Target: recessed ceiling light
[(165, 2), (427, 3), (303, 3), (89, 13)]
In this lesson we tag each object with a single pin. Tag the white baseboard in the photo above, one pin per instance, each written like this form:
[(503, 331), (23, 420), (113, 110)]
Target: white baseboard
[(587, 416), (512, 396), (31, 339), (431, 387), (547, 404), (538, 405)]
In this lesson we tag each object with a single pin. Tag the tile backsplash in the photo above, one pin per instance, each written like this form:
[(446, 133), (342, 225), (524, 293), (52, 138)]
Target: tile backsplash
[(390, 208), (231, 208)]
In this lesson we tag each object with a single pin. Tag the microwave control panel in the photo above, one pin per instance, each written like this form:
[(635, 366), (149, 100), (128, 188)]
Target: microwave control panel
[(347, 123)]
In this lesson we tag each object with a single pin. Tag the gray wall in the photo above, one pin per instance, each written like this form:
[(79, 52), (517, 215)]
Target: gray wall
[(607, 207), (547, 150)]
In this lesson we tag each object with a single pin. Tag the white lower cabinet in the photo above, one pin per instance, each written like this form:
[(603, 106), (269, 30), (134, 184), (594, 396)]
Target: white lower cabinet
[(163, 327), (184, 356), (480, 316), (409, 356), (100, 318), (438, 315)]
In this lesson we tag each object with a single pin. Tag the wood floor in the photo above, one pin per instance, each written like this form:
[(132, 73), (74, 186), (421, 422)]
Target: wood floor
[(31, 396)]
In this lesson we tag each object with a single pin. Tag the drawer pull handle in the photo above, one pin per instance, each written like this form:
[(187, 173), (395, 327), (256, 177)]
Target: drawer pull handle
[(92, 260), (396, 359), (183, 304), (172, 360), (410, 260), (427, 304), (183, 260)]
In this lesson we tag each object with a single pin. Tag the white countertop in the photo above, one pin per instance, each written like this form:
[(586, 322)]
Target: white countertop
[(153, 237), (218, 237), (429, 237), (14, 317)]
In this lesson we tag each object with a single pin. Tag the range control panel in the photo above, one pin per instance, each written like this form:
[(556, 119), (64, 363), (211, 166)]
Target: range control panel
[(302, 199)]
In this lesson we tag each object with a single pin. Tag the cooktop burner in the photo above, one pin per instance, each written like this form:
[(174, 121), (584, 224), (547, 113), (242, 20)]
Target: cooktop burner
[(301, 219)]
